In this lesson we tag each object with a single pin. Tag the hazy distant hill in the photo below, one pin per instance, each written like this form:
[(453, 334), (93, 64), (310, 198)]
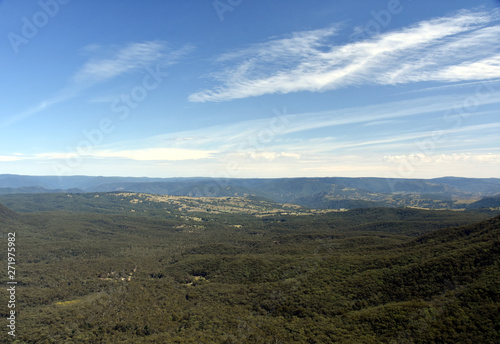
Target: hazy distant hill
[(179, 188), (335, 192), (35, 190), (67, 182), (485, 186)]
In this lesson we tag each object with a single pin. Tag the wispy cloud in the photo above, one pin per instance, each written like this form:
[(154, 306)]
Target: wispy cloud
[(288, 132), (7, 158), (457, 48), (156, 154), (263, 155), (445, 135), (129, 58), (490, 83), (144, 154), (444, 158), (62, 96), (302, 143)]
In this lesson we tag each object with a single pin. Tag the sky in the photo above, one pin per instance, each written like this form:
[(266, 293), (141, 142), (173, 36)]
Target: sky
[(240, 88)]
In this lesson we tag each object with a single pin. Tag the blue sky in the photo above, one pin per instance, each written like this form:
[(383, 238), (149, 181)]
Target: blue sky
[(239, 88)]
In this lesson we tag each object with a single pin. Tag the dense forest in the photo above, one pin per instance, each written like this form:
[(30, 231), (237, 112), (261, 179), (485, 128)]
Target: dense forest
[(136, 268)]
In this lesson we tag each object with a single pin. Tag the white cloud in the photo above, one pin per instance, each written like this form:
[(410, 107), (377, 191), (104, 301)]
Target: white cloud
[(460, 47), (145, 154), (288, 145), (294, 133), (8, 158), (264, 155), (485, 83), (156, 154), (55, 156), (384, 122), (131, 57), (471, 70), (420, 158)]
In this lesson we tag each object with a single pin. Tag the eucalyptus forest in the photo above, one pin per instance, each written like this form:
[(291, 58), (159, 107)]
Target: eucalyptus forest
[(124, 267)]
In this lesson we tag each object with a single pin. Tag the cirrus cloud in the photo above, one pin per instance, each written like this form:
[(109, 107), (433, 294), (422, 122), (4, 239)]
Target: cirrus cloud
[(131, 57), (455, 48)]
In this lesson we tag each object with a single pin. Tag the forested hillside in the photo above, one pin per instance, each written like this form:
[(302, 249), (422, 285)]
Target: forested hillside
[(108, 270)]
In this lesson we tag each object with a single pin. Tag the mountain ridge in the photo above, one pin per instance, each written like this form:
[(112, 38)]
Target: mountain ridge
[(324, 193), (6, 214)]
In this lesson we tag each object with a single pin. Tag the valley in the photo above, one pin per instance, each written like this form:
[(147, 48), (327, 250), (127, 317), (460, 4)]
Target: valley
[(141, 268), (313, 193)]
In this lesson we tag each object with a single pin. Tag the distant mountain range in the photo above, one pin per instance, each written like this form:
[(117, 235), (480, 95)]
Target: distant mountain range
[(321, 193)]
